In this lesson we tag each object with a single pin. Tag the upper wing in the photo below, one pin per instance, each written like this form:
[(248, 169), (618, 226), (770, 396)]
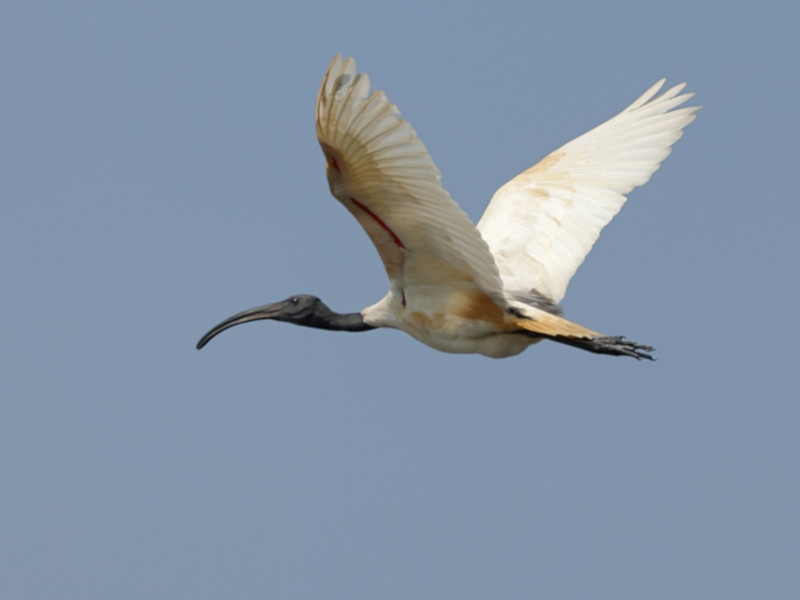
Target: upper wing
[(542, 224), (381, 172)]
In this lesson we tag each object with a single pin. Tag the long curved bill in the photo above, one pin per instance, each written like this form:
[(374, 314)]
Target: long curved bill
[(267, 311)]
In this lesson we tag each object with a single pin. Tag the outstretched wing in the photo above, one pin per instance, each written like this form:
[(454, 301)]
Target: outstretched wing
[(542, 224), (382, 173)]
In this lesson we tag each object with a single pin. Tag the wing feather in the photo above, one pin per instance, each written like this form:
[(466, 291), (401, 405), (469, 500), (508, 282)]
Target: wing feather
[(541, 225), (380, 170)]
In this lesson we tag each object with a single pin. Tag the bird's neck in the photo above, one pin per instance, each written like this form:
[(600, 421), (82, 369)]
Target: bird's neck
[(328, 319)]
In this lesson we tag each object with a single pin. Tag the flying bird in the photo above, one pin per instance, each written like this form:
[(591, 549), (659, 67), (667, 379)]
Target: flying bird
[(494, 288)]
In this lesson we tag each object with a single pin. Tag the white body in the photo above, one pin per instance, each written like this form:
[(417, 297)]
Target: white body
[(447, 332)]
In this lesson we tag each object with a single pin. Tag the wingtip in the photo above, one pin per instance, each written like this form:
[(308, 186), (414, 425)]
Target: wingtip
[(650, 95), (335, 63)]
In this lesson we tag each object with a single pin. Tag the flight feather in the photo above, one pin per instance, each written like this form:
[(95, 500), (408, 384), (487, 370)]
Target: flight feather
[(541, 225), (380, 170)]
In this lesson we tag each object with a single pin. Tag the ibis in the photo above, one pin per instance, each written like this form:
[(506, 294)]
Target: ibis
[(491, 288)]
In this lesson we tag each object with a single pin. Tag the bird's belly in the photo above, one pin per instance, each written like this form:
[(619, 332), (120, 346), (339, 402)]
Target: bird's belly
[(457, 317), (449, 333)]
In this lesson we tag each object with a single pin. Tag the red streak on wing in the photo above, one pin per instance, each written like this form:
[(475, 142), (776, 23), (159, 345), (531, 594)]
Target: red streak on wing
[(379, 221), (404, 297), (334, 163)]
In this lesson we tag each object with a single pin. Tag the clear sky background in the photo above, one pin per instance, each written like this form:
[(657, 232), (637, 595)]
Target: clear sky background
[(159, 172)]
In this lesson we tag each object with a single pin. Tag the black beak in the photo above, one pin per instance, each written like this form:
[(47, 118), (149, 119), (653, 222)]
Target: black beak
[(267, 311)]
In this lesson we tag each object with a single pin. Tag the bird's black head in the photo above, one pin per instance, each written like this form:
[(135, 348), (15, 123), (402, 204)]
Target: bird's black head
[(302, 309)]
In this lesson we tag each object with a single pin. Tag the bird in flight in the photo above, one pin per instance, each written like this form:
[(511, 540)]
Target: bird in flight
[(494, 288)]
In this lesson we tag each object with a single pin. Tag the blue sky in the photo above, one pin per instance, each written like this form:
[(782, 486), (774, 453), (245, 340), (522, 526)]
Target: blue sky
[(159, 172)]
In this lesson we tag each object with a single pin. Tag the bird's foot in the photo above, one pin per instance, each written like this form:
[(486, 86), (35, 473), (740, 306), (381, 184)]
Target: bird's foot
[(619, 346)]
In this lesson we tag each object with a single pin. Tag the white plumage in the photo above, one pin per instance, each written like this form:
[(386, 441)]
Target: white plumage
[(490, 289)]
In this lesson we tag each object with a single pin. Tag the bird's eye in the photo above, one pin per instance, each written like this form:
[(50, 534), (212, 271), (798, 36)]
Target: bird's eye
[(295, 300)]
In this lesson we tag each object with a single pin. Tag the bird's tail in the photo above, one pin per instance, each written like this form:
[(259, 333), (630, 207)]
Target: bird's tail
[(558, 329)]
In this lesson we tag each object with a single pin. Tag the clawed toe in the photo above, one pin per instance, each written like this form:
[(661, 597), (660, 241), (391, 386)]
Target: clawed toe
[(619, 346)]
